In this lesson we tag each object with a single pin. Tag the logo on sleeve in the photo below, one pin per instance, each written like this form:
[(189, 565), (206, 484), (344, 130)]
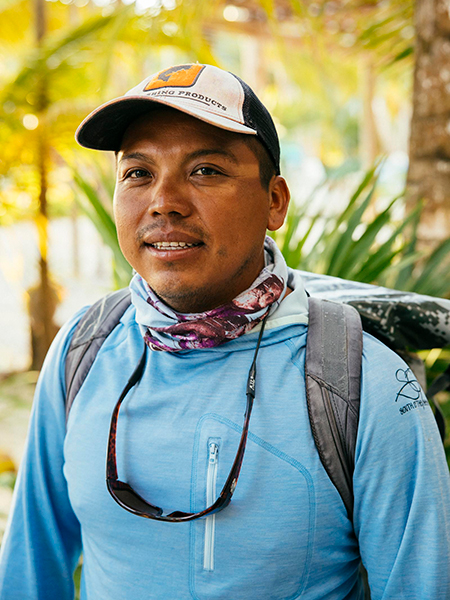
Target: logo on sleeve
[(410, 391), (179, 76)]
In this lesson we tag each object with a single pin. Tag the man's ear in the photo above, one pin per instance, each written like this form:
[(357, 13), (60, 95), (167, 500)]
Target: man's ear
[(279, 196)]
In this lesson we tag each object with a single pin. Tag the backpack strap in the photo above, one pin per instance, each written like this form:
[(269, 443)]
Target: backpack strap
[(90, 333), (333, 381)]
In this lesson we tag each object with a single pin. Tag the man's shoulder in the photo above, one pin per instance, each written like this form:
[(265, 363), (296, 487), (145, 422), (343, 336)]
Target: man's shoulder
[(392, 395), (374, 348), (378, 358)]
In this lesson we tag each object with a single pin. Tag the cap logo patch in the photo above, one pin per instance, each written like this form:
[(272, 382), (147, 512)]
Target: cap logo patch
[(180, 76)]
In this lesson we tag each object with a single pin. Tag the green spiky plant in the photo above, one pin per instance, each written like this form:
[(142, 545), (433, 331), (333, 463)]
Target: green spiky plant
[(363, 245)]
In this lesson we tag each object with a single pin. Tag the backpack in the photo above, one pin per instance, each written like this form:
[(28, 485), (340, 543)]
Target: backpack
[(338, 311)]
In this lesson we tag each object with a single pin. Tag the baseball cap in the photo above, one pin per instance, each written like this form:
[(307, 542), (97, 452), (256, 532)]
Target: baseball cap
[(205, 92)]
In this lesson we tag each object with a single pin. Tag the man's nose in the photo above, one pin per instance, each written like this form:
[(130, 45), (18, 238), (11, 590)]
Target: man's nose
[(169, 196)]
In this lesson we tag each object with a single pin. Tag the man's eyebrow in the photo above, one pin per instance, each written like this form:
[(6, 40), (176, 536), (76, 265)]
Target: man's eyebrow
[(135, 155), (196, 154), (211, 151)]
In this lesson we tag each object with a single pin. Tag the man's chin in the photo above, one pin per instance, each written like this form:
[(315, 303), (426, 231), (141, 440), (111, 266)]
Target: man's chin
[(182, 299)]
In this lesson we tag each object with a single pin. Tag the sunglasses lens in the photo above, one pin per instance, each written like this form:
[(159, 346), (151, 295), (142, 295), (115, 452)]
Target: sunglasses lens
[(128, 498)]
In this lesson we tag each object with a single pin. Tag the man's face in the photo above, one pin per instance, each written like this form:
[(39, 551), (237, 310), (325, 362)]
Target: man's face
[(190, 210)]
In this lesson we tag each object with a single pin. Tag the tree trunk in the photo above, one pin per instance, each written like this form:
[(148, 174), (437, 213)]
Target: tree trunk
[(43, 298), (429, 152)]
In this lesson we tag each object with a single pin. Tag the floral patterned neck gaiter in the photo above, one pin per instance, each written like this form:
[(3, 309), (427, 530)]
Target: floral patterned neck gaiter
[(165, 329)]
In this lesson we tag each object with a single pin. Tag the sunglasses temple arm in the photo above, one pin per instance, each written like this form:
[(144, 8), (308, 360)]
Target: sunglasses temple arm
[(111, 465), (230, 484)]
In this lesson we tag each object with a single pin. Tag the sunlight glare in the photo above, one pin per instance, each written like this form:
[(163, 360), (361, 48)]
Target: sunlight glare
[(30, 122)]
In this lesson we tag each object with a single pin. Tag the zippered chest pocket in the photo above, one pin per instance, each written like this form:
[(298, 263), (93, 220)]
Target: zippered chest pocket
[(260, 546), (210, 522)]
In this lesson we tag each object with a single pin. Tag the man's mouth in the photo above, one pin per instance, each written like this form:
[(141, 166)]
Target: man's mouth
[(173, 245)]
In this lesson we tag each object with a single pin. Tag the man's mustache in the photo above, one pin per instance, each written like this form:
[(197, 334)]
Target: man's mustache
[(164, 226)]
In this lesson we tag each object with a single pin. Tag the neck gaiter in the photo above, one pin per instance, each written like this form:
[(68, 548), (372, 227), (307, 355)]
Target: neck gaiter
[(165, 329)]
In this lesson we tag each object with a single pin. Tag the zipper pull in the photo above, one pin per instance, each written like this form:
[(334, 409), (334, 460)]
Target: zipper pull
[(213, 452)]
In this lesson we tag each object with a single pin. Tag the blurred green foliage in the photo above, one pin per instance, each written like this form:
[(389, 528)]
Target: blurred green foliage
[(436, 362), (364, 244), (92, 52), (94, 196)]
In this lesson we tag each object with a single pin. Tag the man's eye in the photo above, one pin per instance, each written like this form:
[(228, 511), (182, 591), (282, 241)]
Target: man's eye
[(137, 173), (206, 171)]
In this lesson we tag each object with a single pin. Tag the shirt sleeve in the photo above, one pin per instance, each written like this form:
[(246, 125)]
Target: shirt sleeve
[(401, 484), (42, 542)]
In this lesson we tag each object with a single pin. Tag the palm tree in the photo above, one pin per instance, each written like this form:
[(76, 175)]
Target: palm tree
[(43, 297), (71, 68)]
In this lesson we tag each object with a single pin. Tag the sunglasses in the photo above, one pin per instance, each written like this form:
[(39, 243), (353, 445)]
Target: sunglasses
[(130, 500)]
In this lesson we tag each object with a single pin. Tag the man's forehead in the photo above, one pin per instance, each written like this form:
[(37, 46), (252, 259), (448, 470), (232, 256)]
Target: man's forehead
[(160, 124)]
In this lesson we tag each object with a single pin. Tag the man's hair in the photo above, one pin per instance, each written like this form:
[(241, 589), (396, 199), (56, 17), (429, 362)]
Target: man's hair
[(267, 168)]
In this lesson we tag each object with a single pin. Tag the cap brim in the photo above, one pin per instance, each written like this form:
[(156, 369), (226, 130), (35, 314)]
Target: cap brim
[(104, 128)]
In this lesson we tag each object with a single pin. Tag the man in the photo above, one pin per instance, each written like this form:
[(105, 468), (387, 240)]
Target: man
[(198, 184)]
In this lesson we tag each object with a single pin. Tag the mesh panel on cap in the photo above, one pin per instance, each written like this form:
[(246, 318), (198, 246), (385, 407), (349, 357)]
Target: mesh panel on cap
[(258, 117)]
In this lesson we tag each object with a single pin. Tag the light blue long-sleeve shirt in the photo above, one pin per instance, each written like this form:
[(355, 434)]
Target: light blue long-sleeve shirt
[(285, 534)]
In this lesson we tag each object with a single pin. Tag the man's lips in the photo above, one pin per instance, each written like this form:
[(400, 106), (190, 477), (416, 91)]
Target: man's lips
[(171, 240), (171, 244)]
